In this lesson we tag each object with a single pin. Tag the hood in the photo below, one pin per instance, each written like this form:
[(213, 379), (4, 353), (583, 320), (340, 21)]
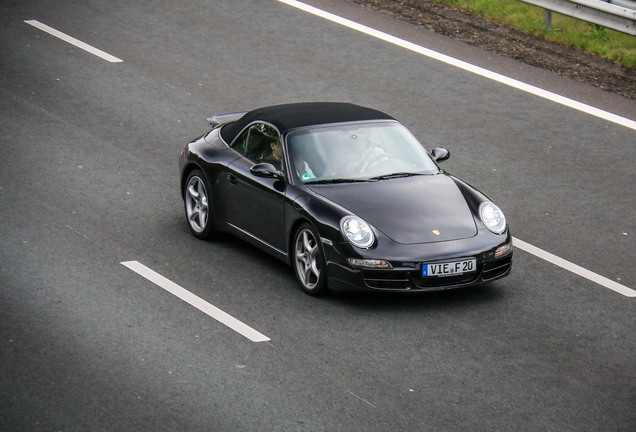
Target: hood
[(409, 209)]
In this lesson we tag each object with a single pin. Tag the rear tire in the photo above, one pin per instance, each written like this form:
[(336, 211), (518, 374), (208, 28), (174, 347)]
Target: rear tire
[(309, 261), (197, 205)]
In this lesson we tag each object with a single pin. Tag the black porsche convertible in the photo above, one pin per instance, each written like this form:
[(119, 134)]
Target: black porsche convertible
[(346, 195)]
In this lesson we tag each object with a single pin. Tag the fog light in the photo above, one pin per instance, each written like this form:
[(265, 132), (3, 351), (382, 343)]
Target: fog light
[(369, 263), (503, 250)]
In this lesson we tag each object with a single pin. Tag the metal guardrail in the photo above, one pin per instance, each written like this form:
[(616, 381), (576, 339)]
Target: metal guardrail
[(618, 15)]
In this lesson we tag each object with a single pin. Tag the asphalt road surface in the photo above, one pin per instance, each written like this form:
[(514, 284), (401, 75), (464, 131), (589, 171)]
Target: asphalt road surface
[(88, 181)]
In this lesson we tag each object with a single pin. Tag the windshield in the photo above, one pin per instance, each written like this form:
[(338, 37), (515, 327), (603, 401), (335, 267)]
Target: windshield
[(354, 152)]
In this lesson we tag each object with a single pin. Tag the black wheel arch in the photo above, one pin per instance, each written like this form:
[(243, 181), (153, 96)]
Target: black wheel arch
[(185, 173)]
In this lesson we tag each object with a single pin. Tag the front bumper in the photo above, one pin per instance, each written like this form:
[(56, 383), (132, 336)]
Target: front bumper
[(406, 274)]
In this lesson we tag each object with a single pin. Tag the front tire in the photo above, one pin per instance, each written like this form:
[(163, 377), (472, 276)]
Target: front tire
[(197, 205), (309, 261)]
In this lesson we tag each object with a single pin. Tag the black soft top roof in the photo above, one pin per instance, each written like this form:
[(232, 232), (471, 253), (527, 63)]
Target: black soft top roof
[(292, 116)]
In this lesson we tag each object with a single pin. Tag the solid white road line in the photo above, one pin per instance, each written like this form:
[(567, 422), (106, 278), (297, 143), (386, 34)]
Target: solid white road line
[(196, 301), (576, 269), (464, 65), (73, 41)]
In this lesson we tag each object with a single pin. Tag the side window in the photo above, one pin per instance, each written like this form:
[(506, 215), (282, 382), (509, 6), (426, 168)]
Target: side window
[(260, 143)]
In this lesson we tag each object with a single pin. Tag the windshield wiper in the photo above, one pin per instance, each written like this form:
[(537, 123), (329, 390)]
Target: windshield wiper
[(337, 180), (395, 175)]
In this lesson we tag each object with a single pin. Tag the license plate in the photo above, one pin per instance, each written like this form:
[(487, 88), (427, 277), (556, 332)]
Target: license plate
[(449, 268)]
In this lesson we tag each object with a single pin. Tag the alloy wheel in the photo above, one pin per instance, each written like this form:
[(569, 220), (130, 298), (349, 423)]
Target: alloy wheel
[(307, 257), (196, 203)]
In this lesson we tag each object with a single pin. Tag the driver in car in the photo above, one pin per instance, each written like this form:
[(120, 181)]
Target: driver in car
[(276, 155), (356, 155)]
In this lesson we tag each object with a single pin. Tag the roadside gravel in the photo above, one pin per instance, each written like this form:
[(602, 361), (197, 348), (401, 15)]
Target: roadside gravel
[(511, 43)]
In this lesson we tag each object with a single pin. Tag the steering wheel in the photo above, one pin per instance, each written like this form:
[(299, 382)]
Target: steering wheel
[(370, 162)]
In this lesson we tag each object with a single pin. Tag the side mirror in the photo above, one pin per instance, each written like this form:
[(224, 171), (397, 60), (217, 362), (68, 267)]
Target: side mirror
[(266, 170), (440, 154)]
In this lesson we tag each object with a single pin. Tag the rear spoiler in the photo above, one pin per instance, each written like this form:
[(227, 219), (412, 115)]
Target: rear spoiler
[(225, 118)]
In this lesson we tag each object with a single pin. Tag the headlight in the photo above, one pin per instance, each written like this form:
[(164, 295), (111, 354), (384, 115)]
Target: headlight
[(357, 231), (492, 217)]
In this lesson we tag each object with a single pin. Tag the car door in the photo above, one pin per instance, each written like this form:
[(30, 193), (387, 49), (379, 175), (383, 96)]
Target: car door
[(257, 204)]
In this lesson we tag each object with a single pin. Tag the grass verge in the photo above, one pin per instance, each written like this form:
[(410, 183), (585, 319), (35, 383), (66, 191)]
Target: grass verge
[(617, 47)]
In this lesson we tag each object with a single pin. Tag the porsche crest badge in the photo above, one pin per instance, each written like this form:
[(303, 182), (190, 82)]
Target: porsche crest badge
[(436, 232)]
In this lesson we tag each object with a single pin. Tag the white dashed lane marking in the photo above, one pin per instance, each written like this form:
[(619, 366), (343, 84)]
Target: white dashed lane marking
[(196, 301), (75, 42)]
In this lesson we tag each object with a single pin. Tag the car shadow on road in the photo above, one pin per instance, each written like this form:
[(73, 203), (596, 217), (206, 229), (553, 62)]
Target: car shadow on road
[(436, 300)]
